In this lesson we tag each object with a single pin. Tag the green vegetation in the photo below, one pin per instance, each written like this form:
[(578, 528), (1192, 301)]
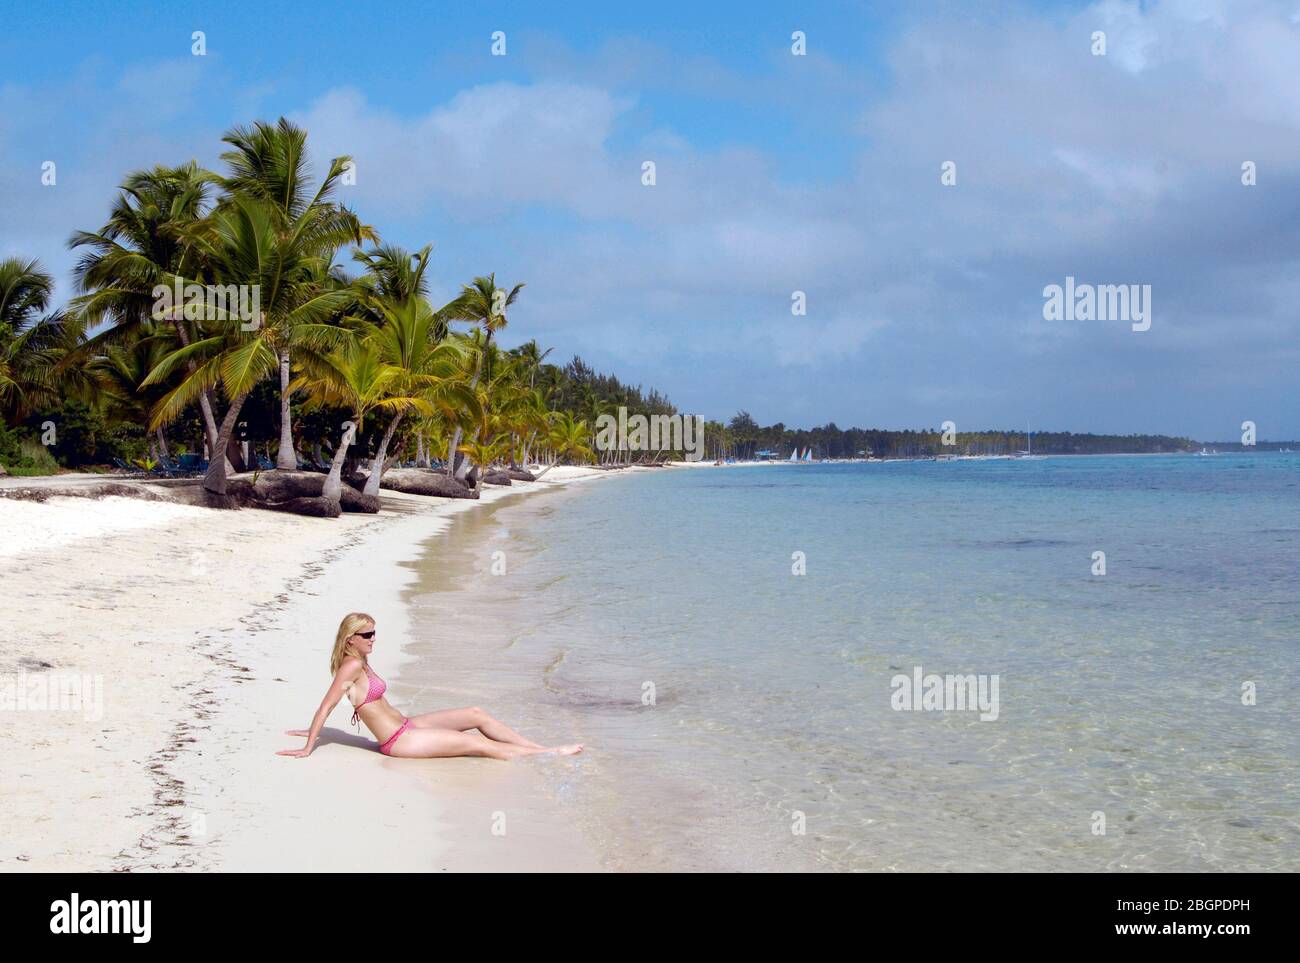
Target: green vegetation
[(212, 316), (742, 437)]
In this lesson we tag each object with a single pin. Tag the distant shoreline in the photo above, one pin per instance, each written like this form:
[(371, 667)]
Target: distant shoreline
[(750, 463)]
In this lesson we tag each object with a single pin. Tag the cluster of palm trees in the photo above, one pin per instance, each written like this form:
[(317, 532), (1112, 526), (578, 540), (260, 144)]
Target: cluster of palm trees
[(368, 351), (582, 395)]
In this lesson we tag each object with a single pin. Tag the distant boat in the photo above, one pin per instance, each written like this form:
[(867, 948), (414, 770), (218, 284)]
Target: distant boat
[(1028, 453), (807, 456), (794, 455), (1205, 453)]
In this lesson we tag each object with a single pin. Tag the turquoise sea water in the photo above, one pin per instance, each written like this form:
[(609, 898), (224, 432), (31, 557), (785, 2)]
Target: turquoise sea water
[(1120, 695)]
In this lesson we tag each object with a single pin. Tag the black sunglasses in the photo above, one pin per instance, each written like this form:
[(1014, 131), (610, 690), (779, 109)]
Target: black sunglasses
[(367, 635)]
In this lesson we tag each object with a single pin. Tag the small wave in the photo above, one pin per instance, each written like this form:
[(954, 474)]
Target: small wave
[(1017, 543)]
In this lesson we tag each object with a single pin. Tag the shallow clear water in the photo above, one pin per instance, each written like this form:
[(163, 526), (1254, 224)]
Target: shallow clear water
[(1119, 694)]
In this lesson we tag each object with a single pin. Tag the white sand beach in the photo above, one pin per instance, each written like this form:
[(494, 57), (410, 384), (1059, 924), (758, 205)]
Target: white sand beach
[(202, 636)]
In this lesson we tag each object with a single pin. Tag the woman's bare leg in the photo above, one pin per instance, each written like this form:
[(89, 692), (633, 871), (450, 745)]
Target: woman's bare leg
[(472, 717), (442, 743)]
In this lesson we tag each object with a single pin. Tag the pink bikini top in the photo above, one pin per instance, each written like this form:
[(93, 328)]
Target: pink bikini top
[(374, 691)]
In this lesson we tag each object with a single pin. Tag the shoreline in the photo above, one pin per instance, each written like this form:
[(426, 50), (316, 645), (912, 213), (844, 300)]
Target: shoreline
[(542, 666), (369, 811), (210, 632)]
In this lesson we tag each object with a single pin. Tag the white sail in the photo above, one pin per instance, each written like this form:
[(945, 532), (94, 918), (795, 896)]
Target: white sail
[(1028, 453)]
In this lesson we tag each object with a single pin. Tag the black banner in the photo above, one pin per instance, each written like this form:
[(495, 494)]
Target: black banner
[(151, 912)]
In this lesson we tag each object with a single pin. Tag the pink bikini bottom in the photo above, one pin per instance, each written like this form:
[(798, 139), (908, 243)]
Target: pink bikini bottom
[(387, 747)]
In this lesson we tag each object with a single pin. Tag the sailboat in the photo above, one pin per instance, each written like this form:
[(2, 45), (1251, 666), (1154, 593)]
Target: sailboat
[(807, 456), (1028, 453), (794, 455)]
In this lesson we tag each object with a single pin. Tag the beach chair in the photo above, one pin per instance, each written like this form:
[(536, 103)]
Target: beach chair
[(168, 468)]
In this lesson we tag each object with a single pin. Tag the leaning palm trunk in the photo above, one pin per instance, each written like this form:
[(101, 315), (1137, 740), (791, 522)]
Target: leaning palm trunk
[(451, 453), (209, 419), (332, 490), (460, 472), (379, 463), (205, 400), (215, 480), (546, 469), (286, 457)]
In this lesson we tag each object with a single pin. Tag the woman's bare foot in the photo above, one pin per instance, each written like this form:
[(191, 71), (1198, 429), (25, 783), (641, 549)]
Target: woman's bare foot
[(572, 750)]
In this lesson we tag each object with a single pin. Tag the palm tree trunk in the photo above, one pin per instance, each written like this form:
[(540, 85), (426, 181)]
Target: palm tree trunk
[(205, 402), (379, 463), (209, 419), (463, 470), (162, 443), (235, 455), (546, 469), (286, 457), (451, 453), (215, 480), (332, 490)]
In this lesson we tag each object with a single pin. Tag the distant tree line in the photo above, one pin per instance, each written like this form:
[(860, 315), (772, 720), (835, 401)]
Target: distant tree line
[(585, 393), (743, 437)]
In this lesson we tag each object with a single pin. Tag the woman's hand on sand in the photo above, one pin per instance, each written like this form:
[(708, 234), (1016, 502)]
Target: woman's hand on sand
[(297, 753)]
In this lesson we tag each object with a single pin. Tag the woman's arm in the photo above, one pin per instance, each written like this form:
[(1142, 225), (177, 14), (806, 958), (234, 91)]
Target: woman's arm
[(342, 679)]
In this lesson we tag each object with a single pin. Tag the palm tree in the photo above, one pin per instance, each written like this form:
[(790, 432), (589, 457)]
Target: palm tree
[(144, 245), (357, 379), (517, 413), (269, 162), (431, 435), (483, 454), (412, 341), (25, 292), (517, 410), (568, 439), (532, 356), (480, 302), (391, 295), (393, 274), (30, 342), (245, 242), (118, 373)]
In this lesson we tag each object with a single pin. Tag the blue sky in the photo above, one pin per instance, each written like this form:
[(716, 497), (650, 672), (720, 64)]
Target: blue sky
[(775, 173)]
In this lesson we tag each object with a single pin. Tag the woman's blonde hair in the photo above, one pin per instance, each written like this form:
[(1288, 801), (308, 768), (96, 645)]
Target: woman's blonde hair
[(351, 624)]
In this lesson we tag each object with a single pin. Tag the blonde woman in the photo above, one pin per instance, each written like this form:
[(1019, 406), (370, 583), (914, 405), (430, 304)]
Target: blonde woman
[(430, 736)]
